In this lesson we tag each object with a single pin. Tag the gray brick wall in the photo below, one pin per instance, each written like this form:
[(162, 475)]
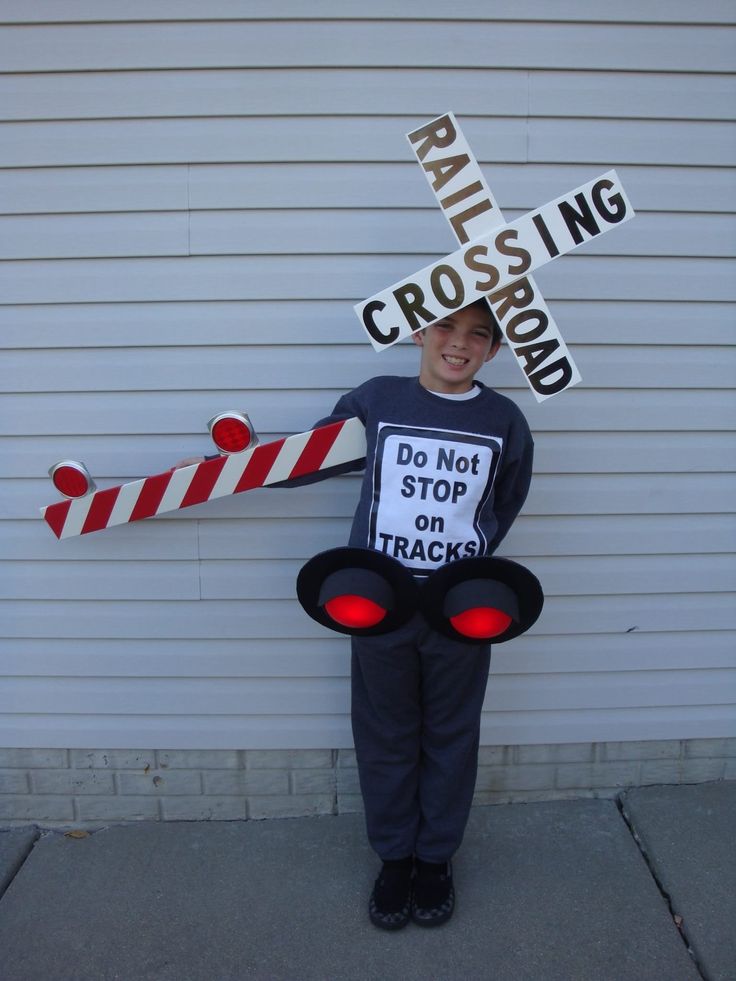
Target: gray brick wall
[(59, 788)]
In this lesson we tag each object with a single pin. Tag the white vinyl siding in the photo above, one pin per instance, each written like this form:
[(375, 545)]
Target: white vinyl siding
[(192, 199)]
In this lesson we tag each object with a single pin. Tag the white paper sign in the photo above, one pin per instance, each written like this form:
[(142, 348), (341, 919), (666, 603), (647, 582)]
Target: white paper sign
[(460, 188), (429, 488)]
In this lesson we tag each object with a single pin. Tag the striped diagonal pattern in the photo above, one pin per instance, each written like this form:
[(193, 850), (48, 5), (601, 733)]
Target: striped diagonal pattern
[(283, 459)]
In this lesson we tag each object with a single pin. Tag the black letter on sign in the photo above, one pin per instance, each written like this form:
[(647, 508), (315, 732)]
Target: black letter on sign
[(544, 234), (574, 218), (458, 221), (370, 325), (439, 133), (603, 207), (512, 328), (445, 169), (505, 249), (449, 302), (410, 298), (551, 388), (536, 354), (472, 261), (465, 192), (518, 294)]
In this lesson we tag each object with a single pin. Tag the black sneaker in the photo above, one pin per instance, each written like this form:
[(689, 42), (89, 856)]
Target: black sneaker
[(390, 904), (433, 901)]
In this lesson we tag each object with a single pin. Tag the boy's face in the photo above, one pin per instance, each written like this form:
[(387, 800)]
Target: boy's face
[(454, 349)]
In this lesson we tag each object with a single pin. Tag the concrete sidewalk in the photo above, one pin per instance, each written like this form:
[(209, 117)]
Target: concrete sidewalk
[(555, 891)]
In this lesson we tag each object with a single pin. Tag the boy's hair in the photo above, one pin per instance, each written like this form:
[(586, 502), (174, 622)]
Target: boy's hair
[(484, 307)]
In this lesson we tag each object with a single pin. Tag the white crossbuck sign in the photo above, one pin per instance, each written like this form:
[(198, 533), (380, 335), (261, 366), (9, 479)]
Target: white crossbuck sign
[(494, 259)]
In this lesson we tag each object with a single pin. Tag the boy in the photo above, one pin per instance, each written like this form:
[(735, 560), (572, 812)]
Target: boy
[(448, 467)]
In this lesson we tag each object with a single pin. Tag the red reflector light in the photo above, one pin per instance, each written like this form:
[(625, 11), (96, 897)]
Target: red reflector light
[(354, 611), (71, 479), (231, 432), (481, 622)]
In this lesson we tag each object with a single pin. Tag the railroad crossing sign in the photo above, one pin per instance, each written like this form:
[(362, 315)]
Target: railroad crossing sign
[(494, 258)]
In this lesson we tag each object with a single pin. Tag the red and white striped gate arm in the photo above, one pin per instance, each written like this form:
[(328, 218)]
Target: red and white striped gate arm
[(268, 463)]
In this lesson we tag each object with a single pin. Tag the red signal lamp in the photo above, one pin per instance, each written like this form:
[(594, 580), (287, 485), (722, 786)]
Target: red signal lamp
[(479, 609), (72, 479), (356, 598), (482, 600), (350, 610), (356, 591), (481, 622), (232, 432)]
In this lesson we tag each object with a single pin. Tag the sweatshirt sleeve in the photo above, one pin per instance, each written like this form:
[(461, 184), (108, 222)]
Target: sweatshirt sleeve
[(347, 407), (512, 482)]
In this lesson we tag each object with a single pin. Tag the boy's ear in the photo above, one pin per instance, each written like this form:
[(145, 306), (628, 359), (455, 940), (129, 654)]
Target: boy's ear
[(418, 338), (495, 347)]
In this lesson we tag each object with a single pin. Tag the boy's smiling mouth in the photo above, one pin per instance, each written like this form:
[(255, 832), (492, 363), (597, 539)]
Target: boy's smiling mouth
[(454, 360)]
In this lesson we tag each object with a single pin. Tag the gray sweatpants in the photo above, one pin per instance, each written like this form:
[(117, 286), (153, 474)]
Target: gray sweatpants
[(416, 704)]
